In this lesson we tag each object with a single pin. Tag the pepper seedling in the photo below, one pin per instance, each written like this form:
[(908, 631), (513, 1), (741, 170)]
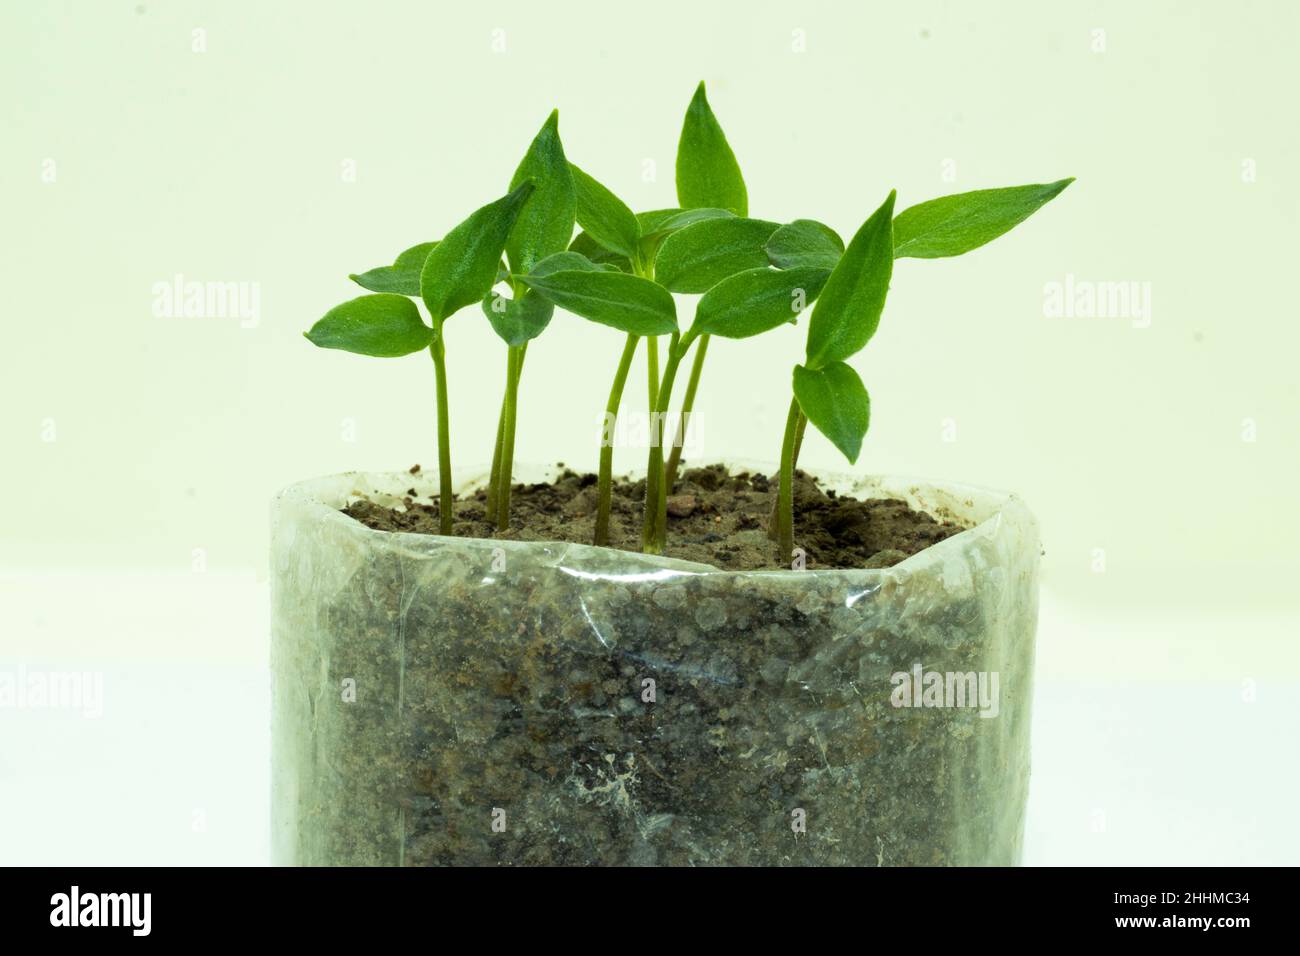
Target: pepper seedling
[(684, 250), (456, 272), (622, 270), (827, 391), (544, 227)]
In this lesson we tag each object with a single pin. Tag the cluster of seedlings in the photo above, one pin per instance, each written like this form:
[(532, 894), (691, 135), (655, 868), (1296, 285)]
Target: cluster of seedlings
[(518, 259)]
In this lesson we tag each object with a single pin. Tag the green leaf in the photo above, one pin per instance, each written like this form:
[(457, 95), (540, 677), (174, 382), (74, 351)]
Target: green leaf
[(568, 261), (707, 171), (518, 320), (546, 223), (661, 222), (616, 299), (699, 256), (412, 260), (752, 302), (836, 402), (951, 225), (848, 311), (604, 216), (591, 249), (805, 242), (382, 325), (462, 268), (402, 277)]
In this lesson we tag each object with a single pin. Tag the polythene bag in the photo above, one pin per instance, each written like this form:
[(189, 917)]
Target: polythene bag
[(467, 701)]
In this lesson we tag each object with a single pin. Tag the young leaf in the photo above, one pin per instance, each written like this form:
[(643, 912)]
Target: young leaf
[(752, 302), (805, 242), (616, 299), (518, 320), (848, 311), (707, 171), (383, 325), (699, 256), (546, 223), (567, 262), (604, 216), (462, 268), (591, 249), (951, 225), (402, 277), (836, 402)]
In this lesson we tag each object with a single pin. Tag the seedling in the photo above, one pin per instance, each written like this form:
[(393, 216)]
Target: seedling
[(451, 274), (621, 271)]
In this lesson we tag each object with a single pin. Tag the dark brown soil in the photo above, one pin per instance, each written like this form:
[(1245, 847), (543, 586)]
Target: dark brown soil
[(714, 518)]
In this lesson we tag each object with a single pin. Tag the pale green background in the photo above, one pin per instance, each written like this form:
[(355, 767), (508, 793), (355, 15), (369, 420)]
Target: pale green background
[(1165, 714), (172, 433)]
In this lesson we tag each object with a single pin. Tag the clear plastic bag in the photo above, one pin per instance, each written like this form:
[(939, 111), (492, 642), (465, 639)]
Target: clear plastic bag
[(469, 702)]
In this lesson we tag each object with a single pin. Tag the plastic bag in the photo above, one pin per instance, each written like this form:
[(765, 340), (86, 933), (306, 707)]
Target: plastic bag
[(469, 702)]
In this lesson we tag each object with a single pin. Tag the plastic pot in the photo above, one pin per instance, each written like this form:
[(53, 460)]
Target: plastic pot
[(476, 702)]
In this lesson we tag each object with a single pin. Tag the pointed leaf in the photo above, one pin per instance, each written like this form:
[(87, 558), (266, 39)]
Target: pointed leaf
[(546, 223), (591, 249), (382, 325), (699, 256), (752, 302), (518, 320), (836, 402), (951, 225), (402, 277), (805, 242), (604, 216), (412, 260), (462, 268), (707, 171), (848, 311), (568, 261), (616, 299), (661, 223)]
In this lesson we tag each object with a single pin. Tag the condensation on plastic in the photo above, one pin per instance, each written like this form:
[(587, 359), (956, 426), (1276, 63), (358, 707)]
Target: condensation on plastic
[(464, 701)]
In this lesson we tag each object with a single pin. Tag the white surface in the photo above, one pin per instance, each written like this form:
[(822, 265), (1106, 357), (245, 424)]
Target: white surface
[(1148, 764)]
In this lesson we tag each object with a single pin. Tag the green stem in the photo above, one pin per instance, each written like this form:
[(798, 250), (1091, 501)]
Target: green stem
[(495, 476), (605, 486), (774, 522), (654, 528), (652, 369), (688, 405), (515, 365), (446, 501), (785, 494)]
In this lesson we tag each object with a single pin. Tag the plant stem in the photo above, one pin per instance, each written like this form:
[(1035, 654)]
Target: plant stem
[(515, 365), (605, 487), (446, 501), (774, 522), (654, 528), (785, 494), (688, 404), (495, 476), (652, 369)]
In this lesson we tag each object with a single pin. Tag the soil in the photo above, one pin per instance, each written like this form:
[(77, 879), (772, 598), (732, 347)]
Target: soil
[(714, 517)]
